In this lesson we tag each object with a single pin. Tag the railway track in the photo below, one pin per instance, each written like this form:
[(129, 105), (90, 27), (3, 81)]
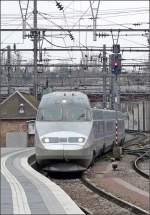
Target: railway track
[(92, 199), (124, 204), (139, 146), (142, 159), (88, 197), (138, 137)]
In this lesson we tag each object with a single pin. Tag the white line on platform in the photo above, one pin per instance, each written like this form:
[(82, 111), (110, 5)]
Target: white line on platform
[(20, 203), (65, 201)]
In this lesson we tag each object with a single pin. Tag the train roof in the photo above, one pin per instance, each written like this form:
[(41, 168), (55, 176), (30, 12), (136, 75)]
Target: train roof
[(73, 96), (108, 113)]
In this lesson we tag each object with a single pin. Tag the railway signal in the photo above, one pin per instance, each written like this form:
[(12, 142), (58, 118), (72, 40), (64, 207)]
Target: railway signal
[(115, 59), (116, 48)]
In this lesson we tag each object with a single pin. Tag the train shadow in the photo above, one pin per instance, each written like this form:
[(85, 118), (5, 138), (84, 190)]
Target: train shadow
[(56, 174), (64, 175)]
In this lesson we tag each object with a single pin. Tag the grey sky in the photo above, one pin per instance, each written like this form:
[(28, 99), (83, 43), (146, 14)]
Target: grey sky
[(112, 14)]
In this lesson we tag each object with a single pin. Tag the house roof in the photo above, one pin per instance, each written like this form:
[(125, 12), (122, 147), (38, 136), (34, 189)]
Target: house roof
[(31, 100)]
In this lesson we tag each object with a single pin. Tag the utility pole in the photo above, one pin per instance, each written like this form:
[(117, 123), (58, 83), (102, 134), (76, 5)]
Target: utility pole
[(149, 99), (94, 17), (115, 62), (0, 55), (35, 37), (104, 77), (8, 68), (115, 66), (115, 92), (149, 74), (24, 5)]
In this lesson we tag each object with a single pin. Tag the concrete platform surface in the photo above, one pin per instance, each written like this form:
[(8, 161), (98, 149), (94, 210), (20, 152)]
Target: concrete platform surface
[(25, 191)]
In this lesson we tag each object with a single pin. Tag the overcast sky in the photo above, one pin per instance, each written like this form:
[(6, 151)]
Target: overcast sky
[(111, 14)]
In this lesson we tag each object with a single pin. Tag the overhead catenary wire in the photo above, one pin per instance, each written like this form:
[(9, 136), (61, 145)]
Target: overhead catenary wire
[(71, 15)]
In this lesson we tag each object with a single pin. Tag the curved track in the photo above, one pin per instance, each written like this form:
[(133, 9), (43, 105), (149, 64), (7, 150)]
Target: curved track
[(131, 207), (93, 199), (138, 137), (132, 147), (137, 162), (82, 199)]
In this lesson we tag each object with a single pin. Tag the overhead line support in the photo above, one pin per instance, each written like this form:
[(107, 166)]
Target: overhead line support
[(78, 29), (128, 49), (35, 48)]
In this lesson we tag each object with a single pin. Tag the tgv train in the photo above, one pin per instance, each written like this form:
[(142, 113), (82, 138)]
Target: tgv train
[(69, 134)]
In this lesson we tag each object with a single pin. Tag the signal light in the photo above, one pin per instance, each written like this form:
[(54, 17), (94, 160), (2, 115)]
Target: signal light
[(58, 4), (115, 60), (14, 46)]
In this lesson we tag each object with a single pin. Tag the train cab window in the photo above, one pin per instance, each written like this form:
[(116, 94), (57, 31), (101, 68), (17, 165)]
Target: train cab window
[(65, 112), (51, 113), (72, 112)]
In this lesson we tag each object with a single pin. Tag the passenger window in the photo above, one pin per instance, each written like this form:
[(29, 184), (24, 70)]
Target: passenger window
[(97, 115)]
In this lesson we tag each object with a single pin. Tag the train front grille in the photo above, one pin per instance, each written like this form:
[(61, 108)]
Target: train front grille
[(62, 140)]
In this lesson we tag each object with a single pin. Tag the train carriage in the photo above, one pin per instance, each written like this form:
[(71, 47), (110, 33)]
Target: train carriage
[(70, 134)]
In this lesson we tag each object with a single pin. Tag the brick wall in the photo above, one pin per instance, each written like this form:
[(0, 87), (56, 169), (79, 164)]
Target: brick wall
[(12, 126)]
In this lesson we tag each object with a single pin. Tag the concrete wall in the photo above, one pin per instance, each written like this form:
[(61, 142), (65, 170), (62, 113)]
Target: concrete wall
[(139, 115), (147, 115), (16, 139)]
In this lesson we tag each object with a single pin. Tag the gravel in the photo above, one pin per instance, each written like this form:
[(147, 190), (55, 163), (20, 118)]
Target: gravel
[(89, 200), (96, 204), (127, 173)]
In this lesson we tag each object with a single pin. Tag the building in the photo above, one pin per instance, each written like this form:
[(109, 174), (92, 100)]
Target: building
[(17, 115)]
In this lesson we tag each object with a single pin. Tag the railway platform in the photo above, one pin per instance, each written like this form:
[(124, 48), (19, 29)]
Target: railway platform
[(25, 191)]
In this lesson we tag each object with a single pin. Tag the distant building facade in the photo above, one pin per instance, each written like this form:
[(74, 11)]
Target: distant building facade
[(17, 114)]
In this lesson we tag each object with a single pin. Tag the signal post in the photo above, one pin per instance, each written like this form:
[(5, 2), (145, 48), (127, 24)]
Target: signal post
[(115, 67)]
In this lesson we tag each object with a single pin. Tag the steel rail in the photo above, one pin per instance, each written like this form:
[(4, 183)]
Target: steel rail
[(138, 169), (99, 192), (133, 208), (138, 136)]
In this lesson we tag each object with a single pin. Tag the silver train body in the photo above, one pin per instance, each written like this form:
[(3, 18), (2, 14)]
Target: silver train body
[(69, 134)]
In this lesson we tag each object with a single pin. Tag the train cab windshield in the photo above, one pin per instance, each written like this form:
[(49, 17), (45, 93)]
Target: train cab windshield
[(64, 112)]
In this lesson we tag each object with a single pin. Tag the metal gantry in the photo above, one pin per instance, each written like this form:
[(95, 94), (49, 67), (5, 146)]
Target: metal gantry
[(35, 31)]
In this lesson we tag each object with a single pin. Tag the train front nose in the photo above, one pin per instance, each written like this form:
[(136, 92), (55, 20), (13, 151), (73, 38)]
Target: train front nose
[(63, 145)]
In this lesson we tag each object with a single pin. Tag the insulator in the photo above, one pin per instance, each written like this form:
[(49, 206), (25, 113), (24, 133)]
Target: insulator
[(14, 46)]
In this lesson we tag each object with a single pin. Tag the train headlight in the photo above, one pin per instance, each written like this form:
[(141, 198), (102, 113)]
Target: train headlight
[(45, 140), (76, 139), (81, 139), (50, 140)]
